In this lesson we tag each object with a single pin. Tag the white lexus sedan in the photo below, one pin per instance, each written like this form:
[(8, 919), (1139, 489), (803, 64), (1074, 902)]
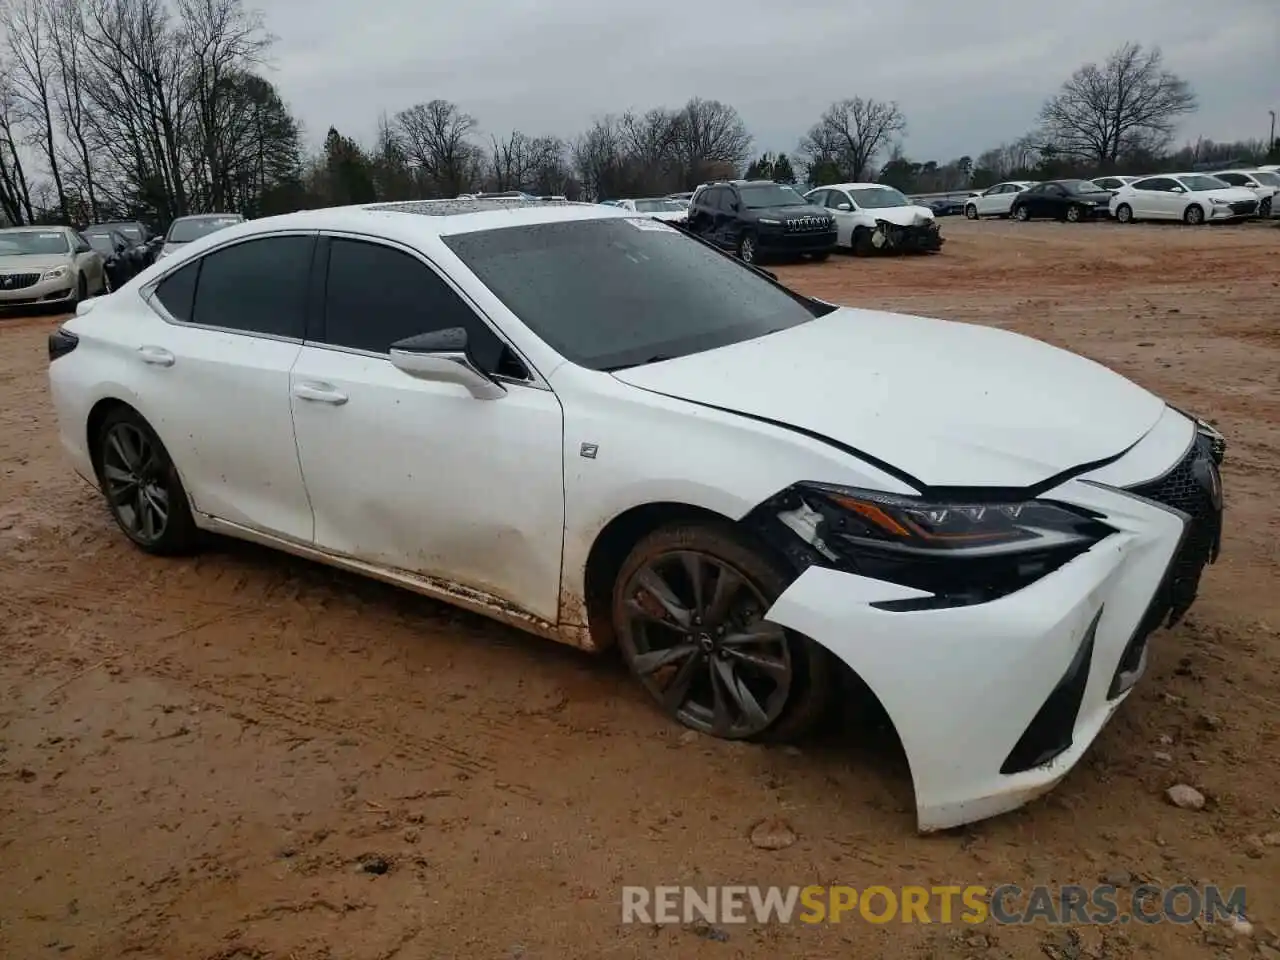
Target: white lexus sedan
[(590, 425)]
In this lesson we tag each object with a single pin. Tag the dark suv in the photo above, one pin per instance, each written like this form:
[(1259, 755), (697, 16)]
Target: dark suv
[(756, 218)]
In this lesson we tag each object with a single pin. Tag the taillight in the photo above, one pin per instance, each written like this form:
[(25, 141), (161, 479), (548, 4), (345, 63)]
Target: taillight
[(61, 342)]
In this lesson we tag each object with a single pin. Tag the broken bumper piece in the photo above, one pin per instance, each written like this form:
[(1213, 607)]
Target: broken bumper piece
[(920, 237)]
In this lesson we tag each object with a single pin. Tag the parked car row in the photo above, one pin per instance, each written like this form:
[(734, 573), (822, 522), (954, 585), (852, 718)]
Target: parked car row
[(58, 265), (1193, 198)]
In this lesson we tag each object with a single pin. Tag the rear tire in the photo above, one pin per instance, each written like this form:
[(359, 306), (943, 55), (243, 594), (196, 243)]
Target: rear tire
[(860, 243), (1021, 214), (747, 248), (970, 212), (1264, 208), (687, 610), (141, 485), (1124, 213)]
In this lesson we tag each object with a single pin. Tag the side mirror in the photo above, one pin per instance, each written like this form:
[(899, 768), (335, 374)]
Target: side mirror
[(844, 207), (442, 356), (1179, 190)]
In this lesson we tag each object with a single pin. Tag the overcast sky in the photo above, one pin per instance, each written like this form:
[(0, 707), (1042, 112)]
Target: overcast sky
[(968, 75)]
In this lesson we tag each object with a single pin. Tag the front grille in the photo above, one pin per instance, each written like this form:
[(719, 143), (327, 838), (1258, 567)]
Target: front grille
[(808, 224), (16, 281), (1244, 206), (1194, 488)]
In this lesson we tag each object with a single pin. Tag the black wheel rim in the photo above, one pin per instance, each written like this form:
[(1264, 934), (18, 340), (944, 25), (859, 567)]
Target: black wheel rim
[(697, 640), (136, 483)]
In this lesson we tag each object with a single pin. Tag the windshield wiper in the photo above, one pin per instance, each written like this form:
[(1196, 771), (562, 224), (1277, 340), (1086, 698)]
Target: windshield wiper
[(639, 363)]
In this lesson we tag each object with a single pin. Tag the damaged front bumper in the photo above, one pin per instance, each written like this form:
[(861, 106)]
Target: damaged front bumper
[(923, 236), (994, 702)]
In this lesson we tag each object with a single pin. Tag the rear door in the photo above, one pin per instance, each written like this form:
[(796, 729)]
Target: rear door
[(213, 379)]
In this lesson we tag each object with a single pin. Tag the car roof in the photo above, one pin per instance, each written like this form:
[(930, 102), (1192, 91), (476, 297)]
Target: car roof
[(411, 221), (850, 186), (34, 228), (206, 216)]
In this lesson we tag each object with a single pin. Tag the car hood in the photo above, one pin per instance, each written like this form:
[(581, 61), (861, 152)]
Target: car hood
[(33, 263), (902, 216), (950, 404)]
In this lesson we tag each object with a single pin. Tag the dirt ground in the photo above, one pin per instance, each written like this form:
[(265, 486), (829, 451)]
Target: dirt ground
[(200, 759)]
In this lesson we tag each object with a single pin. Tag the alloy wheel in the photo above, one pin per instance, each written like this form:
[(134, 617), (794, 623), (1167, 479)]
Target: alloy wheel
[(1195, 216), (1124, 213), (747, 250), (134, 475), (971, 212), (1021, 214), (698, 642), (1073, 214)]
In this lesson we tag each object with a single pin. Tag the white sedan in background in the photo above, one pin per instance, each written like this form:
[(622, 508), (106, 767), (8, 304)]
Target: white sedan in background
[(1193, 198), (1112, 183), (589, 425), (659, 208), (996, 201), (1265, 185), (858, 207)]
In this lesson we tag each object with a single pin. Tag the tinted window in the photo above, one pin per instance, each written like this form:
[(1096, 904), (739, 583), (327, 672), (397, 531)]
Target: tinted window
[(377, 295), (177, 291), (614, 292), (1155, 183), (259, 286)]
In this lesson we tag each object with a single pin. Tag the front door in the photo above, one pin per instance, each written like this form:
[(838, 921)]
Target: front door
[(418, 475)]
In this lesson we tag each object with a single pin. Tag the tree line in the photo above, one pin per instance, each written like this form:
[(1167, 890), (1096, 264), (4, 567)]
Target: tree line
[(153, 109)]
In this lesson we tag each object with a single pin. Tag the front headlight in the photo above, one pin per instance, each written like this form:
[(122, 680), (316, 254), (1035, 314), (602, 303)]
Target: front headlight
[(909, 525), (1221, 203), (57, 273), (960, 551)]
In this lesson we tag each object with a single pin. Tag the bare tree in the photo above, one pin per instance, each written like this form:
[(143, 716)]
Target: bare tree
[(435, 136), (70, 54), (141, 102), (27, 25), (222, 40), (599, 157), (651, 142), (851, 134), (710, 136), (1129, 104), (15, 192)]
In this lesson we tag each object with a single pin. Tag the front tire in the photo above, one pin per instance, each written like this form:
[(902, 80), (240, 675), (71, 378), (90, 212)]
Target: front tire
[(141, 485), (1074, 214), (820, 257), (1193, 216), (1021, 214), (970, 212), (860, 243), (747, 248), (1264, 208), (688, 608)]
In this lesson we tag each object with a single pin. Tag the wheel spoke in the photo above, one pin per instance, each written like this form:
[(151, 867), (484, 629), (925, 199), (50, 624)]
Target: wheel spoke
[(677, 691), (655, 660), (657, 588), (115, 474), (739, 693), (118, 446), (721, 722), (696, 569), (727, 585), (761, 631), (771, 667), (158, 501), (142, 518)]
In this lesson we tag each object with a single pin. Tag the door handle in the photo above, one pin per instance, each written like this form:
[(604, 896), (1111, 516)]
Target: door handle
[(319, 392), (156, 355)]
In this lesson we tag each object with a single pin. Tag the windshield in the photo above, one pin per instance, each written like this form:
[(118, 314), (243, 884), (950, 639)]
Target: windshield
[(760, 195), (131, 230), (184, 231), (102, 242), (24, 242), (878, 197), (1079, 186), (1203, 183), (1266, 177), (658, 206), (617, 292)]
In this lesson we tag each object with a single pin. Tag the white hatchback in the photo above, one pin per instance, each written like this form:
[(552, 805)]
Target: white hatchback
[(590, 425)]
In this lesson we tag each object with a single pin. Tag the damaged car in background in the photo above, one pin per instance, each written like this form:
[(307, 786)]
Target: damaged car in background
[(872, 218), (846, 511)]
